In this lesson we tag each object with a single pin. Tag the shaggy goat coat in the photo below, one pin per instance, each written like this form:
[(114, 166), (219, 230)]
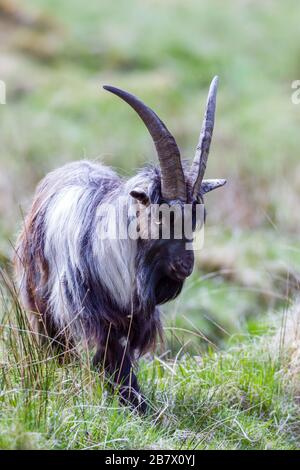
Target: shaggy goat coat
[(71, 279)]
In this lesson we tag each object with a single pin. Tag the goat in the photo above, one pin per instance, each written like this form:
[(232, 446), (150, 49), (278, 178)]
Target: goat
[(77, 285)]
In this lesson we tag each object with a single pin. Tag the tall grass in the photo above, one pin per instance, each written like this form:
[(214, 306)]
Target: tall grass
[(235, 399)]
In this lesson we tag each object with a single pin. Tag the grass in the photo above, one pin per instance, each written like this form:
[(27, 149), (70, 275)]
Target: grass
[(217, 385), (242, 398), (237, 399)]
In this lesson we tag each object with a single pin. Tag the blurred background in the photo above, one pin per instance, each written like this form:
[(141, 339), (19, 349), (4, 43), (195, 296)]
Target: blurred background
[(54, 57)]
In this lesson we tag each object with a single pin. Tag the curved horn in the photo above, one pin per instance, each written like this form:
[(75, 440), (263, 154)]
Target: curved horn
[(172, 176), (199, 164)]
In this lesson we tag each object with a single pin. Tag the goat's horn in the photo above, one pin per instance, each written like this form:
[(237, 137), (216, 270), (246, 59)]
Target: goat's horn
[(172, 176), (210, 185), (199, 164)]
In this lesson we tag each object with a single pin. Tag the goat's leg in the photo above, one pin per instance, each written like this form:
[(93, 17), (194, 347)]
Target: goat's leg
[(118, 366)]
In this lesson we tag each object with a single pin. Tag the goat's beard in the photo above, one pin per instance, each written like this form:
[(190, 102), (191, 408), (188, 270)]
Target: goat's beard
[(167, 289), (155, 287)]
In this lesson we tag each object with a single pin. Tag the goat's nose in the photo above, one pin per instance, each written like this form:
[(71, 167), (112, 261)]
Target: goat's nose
[(187, 267), (183, 268)]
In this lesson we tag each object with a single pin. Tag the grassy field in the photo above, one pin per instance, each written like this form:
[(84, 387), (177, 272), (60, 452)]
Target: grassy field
[(217, 385), (242, 398)]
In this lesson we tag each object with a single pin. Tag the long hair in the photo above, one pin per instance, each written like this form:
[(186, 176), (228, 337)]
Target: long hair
[(71, 277)]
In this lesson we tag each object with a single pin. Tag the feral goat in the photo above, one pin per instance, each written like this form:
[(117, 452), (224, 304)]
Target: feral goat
[(80, 285)]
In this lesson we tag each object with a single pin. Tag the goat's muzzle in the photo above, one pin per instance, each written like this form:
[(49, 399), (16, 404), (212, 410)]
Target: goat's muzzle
[(181, 268)]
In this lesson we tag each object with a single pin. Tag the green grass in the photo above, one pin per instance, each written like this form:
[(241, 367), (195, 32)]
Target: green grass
[(239, 399), (242, 398), (235, 394)]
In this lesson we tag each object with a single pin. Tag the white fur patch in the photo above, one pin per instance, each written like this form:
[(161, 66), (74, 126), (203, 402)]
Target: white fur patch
[(113, 258)]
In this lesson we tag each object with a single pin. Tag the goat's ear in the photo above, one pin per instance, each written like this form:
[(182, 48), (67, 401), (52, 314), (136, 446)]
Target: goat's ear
[(141, 196), (210, 185)]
